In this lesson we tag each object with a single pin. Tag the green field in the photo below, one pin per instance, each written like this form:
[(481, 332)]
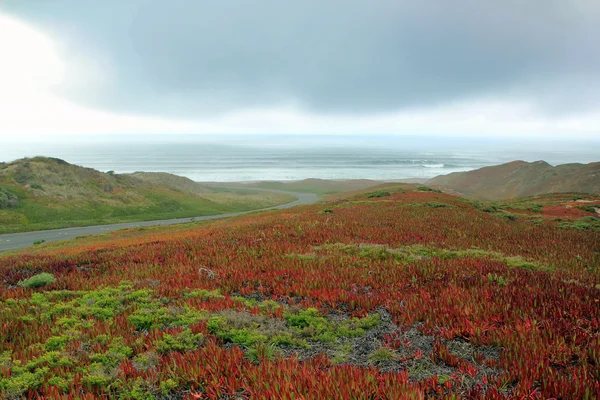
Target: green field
[(40, 214)]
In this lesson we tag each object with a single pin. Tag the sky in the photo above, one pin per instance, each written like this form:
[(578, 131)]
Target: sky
[(510, 68)]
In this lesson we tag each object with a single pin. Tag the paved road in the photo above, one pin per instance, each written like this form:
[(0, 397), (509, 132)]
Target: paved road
[(13, 241)]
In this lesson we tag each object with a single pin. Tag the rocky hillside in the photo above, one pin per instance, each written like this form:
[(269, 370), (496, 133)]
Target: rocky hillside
[(522, 179)]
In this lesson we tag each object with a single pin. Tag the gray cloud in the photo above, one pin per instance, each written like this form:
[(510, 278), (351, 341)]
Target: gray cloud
[(189, 57)]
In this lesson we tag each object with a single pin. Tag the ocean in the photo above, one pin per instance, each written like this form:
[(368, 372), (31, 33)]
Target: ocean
[(283, 157)]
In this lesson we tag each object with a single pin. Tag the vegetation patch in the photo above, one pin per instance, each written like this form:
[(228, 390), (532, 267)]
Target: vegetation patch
[(8, 199), (428, 189), (508, 216), (591, 208), (406, 254), (38, 281), (591, 224), (526, 205), (379, 193), (433, 204), (303, 257), (490, 208), (150, 328), (78, 340)]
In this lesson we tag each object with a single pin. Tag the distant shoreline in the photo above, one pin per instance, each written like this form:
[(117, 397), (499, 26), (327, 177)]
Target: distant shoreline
[(293, 160)]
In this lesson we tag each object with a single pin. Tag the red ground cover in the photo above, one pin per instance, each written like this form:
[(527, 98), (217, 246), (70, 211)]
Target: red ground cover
[(545, 321)]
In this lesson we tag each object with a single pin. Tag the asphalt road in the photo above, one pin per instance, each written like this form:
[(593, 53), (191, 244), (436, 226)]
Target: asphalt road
[(14, 241)]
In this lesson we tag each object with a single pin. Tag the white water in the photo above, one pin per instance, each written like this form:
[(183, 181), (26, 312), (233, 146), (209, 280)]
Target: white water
[(244, 158)]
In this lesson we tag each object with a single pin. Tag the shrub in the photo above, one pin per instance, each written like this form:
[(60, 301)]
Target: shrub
[(435, 204), (38, 281), (508, 216), (535, 207), (490, 209), (379, 193), (23, 174), (57, 160), (8, 199), (582, 224), (428, 189), (587, 208)]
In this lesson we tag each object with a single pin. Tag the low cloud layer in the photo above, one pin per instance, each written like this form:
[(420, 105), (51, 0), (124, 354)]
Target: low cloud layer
[(188, 59)]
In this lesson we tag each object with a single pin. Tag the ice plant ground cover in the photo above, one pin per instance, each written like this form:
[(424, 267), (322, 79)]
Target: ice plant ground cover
[(405, 294)]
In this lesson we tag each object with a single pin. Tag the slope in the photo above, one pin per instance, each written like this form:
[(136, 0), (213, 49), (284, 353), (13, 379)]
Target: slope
[(521, 179), (46, 193), (410, 294)]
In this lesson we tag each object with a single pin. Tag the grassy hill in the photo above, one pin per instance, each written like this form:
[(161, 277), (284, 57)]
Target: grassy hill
[(45, 193), (398, 293), (522, 179), (173, 182)]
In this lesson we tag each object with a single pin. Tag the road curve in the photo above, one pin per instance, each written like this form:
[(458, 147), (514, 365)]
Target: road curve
[(14, 241)]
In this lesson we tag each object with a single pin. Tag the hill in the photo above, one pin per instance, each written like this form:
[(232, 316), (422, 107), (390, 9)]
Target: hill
[(522, 179), (174, 182), (44, 193), (401, 293)]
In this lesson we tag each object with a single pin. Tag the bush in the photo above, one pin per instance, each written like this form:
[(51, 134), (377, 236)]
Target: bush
[(38, 281), (582, 224), (490, 209), (508, 216), (8, 199), (23, 174), (535, 207), (428, 189), (379, 193), (587, 208), (435, 204)]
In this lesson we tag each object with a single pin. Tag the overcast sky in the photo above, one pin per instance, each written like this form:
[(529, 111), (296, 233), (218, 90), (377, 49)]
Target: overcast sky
[(461, 67)]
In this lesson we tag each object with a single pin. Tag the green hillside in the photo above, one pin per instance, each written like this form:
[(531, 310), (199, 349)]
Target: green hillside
[(46, 193)]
